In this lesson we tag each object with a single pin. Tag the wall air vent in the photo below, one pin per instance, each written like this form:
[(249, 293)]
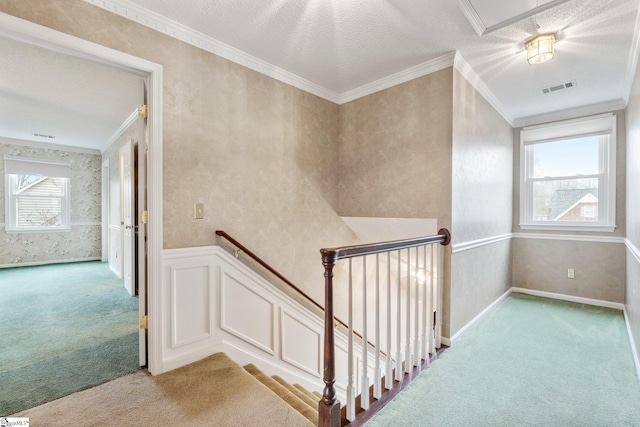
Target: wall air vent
[(555, 88)]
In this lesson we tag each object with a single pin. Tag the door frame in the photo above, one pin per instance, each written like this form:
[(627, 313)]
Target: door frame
[(35, 34)]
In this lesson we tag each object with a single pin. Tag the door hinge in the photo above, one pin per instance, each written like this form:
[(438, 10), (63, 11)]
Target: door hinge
[(144, 322), (143, 111), (144, 217)]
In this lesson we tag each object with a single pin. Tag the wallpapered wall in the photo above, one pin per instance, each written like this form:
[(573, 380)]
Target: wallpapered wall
[(599, 267), (632, 289), (84, 240), (259, 154), (482, 204)]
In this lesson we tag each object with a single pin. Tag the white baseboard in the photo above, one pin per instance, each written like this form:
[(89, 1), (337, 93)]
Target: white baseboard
[(449, 341), (636, 362), (570, 298), (34, 263)]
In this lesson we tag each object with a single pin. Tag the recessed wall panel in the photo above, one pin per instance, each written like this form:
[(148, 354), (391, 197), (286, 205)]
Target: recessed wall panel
[(246, 314), (300, 344), (190, 304)]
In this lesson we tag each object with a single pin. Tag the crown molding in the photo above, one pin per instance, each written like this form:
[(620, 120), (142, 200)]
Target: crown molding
[(431, 66), (195, 38), (181, 32), (478, 25), (472, 77), (124, 126), (571, 113), (47, 146)]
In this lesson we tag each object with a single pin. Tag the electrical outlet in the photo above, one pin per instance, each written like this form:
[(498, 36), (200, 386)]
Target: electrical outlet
[(571, 273), (198, 211)]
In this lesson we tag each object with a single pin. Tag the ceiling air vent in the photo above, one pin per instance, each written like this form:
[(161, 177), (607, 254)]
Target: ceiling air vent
[(555, 88)]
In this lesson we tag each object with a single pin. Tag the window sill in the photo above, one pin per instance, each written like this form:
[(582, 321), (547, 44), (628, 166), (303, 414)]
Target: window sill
[(569, 227)]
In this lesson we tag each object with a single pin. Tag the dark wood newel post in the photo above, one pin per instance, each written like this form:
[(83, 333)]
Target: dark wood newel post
[(329, 406)]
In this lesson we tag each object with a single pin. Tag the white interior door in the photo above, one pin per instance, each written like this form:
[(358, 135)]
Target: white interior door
[(127, 203)]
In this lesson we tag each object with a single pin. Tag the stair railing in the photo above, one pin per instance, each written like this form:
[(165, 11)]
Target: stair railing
[(414, 279)]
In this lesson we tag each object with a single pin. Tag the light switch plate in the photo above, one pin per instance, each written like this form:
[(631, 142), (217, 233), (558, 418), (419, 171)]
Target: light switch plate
[(198, 210)]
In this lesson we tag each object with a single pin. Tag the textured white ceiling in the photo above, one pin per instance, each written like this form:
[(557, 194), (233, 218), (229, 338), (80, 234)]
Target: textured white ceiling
[(339, 47), (342, 45), (81, 103)]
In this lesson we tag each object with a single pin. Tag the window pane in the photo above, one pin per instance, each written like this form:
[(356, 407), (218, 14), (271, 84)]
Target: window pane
[(39, 185), (566, 200), (39, 211), (566, 158)]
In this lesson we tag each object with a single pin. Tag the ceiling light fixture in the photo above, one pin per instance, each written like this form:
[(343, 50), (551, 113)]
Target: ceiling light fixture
[(540, 48)]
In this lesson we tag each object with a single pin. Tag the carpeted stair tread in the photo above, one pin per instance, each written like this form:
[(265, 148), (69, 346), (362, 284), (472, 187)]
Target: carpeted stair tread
[(310, 413), (317, 394), (211, 392), (312, 396), (300, 394)]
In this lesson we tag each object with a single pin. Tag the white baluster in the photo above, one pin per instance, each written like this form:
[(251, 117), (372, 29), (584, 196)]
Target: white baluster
[(399, 325), (388, 381), (407, 349), (416, 327), (377, 372), (430, 307), (364, 390), (351, 391), (438, 331), (423, 337)]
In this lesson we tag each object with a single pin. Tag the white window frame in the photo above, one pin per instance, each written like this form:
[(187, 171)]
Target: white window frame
[(599, 125), (31, 166)]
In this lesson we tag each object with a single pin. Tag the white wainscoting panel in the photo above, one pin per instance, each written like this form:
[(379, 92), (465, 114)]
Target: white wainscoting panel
[(212, 303), (296, 336), (191, 289), (245, 313)]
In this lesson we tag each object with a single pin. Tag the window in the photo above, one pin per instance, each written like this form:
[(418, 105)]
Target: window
[(36, 195), (567, 179)]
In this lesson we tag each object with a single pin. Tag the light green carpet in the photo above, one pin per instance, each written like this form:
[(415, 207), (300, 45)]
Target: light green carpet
[(530, 362), (64, 328)]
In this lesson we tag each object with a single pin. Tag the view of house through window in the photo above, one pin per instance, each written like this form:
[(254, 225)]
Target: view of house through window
[(568, 175), (566, 179), (37, 195)]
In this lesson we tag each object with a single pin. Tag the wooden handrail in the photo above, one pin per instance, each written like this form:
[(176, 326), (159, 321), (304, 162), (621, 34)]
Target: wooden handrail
[(443, 237), (329, 406), (272, 270)]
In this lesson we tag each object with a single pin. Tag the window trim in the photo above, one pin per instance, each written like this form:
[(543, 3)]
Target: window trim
[(18, 165), (598, 125)]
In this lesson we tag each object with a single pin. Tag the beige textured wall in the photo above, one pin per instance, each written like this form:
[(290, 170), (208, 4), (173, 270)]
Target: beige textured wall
[(542, 264), (395, 151), (261, 155), (482, 204), (633, 208)]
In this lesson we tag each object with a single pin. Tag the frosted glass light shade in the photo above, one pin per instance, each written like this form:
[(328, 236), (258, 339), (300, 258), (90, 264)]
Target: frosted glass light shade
[(540, 48)]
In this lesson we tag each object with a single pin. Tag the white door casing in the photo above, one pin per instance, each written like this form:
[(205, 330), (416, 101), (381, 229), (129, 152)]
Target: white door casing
[(29, 32), (141, 205)]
